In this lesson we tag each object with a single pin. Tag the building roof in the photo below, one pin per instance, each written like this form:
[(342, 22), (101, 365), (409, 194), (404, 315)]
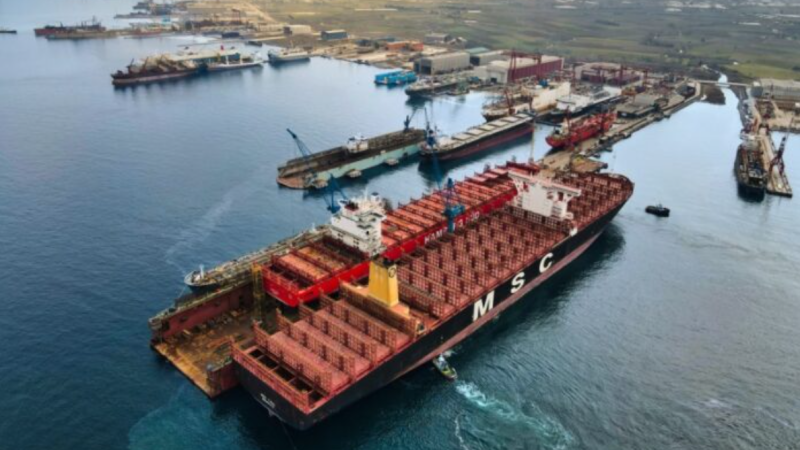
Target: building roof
[(445, 56), (522, 62), (477, 50), (781, 84)]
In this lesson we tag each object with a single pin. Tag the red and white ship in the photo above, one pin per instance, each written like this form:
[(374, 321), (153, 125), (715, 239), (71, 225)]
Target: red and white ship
[(571, 133)]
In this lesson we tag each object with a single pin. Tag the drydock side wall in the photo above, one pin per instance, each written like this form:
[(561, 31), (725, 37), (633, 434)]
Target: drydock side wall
[(213, 307)]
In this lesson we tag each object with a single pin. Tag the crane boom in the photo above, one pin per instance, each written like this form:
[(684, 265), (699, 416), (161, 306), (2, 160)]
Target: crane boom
[(306, 154)]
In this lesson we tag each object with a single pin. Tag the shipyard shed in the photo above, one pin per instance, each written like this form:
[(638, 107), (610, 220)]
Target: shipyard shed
[(484, 58), (445, 63), (608, 73), (501, 71), (437, 38), (294, 30), (778, 90), (333, 35)]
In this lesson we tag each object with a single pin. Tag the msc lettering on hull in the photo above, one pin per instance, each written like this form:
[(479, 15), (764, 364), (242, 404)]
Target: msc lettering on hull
[(482, 306)]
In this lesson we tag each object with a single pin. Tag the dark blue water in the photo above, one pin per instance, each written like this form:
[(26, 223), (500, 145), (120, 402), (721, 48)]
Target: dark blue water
[(678, 333)]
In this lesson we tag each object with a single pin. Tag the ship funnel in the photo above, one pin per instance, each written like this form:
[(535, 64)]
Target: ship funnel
[(383, 282)]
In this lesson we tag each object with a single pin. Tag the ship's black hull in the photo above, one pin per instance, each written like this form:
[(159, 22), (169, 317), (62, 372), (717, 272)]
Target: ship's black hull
[(746, 189), (482, 145), (446, 335)]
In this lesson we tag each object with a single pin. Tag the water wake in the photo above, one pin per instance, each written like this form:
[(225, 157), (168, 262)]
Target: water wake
[(461, 442), (534, 423), (202, 228)]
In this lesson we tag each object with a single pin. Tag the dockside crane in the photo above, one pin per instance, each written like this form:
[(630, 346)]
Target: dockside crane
[(330, 195), (407, 122), (452, 202), (778, 159), (306, 155)]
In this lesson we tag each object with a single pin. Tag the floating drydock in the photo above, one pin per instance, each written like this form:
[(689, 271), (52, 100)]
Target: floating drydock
[(358, 154), (480, 138), (377, 293)]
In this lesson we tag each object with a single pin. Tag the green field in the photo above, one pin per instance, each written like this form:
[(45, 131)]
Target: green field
[(751, 40)]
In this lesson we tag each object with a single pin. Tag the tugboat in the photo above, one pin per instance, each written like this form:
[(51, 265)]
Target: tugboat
[(445, 368), (657, 210)]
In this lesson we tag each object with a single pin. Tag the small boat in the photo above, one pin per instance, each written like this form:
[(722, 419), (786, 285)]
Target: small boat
[(7, 31), (445, 368), (200, 281), (391, 162), (355, 173), (657, 210)]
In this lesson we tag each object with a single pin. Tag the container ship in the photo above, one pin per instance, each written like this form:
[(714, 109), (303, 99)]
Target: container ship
[(537, 100), (571, 133), (314, 170), (480, 138), (748, 166), (316, 322)]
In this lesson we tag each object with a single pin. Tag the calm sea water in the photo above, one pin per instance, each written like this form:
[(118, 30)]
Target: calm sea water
[(678, 333)]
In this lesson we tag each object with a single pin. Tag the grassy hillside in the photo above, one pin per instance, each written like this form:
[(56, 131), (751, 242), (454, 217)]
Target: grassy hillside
[(752, 40)]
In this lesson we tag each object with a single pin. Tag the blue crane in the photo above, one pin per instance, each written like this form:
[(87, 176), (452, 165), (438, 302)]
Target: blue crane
[(330, 195), (452, 202), (306, 154)]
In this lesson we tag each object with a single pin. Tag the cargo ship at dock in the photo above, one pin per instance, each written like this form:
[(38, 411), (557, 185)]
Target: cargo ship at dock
[(344, 309), (577, 104), (479, 138), (748, 166), (530, 100), (155, 69), (572, 133), (431, 86), (85, 27), (313, 171)]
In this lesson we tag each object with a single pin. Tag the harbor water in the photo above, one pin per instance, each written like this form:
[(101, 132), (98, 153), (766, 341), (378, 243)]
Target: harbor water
[(676, 333)]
